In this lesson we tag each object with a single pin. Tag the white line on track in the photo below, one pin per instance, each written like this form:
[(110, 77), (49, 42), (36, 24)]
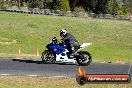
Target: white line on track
[(34, 76), (5, 74), (46, 76)]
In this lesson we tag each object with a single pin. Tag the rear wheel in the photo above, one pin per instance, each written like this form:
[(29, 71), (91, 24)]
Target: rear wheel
[(84, 58), (48, 57)]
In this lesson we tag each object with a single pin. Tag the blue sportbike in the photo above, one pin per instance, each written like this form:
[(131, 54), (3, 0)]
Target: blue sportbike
[(58, 52)]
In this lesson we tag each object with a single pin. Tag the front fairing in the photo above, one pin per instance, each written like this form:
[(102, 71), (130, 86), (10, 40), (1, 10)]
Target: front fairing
[(57, 49)]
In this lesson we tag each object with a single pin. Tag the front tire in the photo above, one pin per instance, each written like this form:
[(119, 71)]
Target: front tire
[(84, 58), (48, 57)]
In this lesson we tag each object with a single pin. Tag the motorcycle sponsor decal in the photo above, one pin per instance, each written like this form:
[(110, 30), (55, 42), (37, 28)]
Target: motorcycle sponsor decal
[(83, 78)]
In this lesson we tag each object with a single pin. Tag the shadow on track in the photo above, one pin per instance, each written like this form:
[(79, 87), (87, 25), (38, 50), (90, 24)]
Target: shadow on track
[(39, 62), (28, 61)]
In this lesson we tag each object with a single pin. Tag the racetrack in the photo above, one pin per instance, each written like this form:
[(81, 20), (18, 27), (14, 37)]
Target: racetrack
[(24, 67)]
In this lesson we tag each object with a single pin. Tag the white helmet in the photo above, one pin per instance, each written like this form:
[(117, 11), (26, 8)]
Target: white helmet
[(63, 32)]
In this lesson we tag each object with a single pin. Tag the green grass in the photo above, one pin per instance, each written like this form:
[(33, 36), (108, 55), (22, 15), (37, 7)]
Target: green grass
[(112, 39), (42, 82)]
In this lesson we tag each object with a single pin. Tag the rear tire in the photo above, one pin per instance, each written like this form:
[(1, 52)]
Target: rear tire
[(84, 58), (48, 57)]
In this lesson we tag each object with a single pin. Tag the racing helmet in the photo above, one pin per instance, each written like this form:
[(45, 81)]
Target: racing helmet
[(63, 32)]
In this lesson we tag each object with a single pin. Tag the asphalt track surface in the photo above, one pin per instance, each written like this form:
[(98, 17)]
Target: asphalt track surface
[(24, 67)]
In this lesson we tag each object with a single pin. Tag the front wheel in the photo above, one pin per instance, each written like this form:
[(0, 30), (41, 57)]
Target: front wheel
[(48, 57), (83, 58)]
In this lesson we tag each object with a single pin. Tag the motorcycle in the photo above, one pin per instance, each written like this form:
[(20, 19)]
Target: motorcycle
[(60, 53)]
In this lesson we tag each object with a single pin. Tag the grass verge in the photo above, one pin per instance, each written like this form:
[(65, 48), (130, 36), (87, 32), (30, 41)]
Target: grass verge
[(43, 82)]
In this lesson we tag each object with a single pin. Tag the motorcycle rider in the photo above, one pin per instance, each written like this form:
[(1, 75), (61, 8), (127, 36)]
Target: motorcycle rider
[(73, 44)]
